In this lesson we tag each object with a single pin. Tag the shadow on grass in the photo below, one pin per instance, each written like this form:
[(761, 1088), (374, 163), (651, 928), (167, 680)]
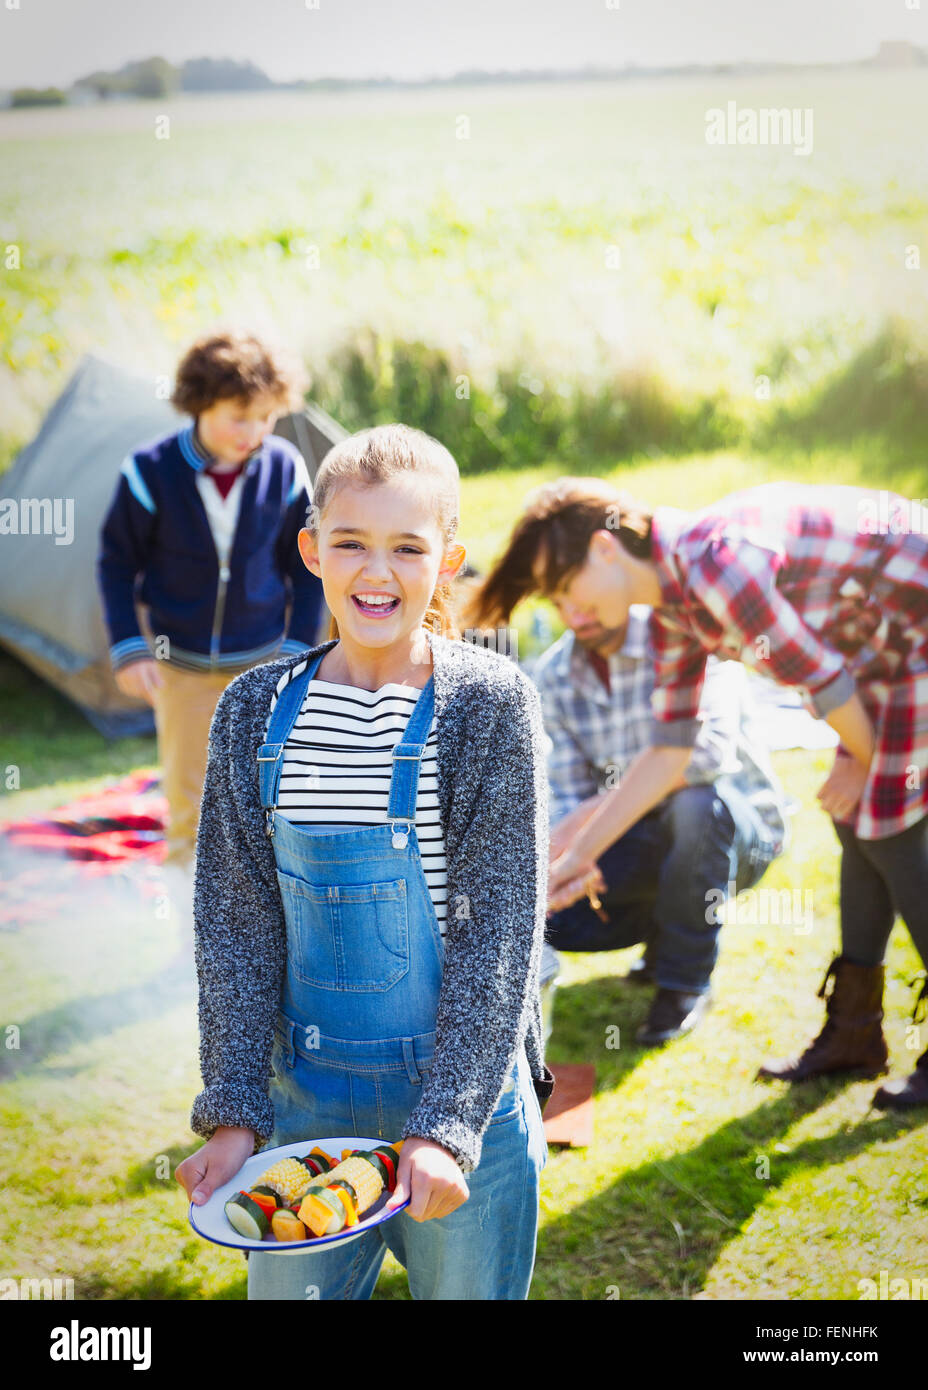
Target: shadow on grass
[(92, 1016), (584, 1014), (656, 1232), (51, 740), (392, 1286), (177, 1285), (144, 1176), (164, 1285), (182, 1284), (659, 1229), (878, 397)]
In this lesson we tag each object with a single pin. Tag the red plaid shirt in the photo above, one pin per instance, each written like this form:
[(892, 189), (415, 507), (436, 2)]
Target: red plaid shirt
[(824, 588)]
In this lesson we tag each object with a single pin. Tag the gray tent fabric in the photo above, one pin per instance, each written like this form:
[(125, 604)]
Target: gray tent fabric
[(313, 432), (52, 504)]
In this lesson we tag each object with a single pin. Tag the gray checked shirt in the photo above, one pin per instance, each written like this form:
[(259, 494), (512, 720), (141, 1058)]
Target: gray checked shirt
[(593, 734)]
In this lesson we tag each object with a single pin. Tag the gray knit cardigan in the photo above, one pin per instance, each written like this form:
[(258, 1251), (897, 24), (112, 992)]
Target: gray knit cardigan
[(493, 800)]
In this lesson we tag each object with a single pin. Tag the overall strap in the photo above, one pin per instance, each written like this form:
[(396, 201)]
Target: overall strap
[(270, 754), (407, 756)]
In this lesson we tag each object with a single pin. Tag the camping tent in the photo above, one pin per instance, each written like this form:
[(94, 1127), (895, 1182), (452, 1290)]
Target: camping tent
[(61, 485)]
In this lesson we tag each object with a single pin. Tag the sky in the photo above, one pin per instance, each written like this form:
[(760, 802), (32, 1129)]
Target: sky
[(46, 42)]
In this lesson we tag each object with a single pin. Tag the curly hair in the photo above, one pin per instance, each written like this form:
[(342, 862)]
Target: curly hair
[(235, 365)]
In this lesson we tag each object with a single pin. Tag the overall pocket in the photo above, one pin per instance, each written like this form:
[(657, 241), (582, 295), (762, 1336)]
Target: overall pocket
[(510, 1102), (352, 937)]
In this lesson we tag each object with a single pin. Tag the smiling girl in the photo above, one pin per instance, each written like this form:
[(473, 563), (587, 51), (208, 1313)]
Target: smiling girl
[(370, 898)]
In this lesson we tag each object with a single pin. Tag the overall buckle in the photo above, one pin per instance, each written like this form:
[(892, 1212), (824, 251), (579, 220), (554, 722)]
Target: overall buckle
[(400, 837)]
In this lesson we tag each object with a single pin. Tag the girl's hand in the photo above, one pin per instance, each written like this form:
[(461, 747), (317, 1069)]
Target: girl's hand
[(569, 880), (219, 1160), (842, 790), (429, 1175)]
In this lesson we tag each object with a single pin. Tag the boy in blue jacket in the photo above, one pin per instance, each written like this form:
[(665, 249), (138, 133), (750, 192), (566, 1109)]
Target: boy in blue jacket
[(202, 529)]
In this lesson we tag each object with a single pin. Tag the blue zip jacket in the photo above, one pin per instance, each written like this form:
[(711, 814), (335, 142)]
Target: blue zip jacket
[(157, 546)]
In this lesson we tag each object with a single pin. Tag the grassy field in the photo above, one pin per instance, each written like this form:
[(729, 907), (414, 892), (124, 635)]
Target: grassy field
[(567, 279), (700, 1182)]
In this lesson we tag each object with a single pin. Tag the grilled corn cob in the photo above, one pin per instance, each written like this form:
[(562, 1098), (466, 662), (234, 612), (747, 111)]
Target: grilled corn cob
[(339, 1197), (360, 1175), (288, 1178)]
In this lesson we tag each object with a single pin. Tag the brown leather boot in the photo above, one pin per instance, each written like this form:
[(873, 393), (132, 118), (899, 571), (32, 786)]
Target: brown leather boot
[(911, 1090), (852, 1038)]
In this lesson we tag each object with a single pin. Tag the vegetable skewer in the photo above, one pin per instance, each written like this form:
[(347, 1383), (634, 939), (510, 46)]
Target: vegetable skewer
[(314, 1194), (350, 1189)]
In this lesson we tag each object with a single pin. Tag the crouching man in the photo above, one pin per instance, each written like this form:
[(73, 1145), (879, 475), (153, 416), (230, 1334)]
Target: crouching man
[(661, 882)]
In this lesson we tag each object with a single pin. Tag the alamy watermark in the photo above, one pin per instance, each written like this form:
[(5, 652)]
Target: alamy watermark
[(77, 1343), (765, 125), (892, 1289), (784, 907), (887, 514), (31, 1288), (38, 516)]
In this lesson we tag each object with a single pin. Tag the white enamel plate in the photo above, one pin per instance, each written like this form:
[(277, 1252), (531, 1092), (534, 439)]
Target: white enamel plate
[(211, 1222)]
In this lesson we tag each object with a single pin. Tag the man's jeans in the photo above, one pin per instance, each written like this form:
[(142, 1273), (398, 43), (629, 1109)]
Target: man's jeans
[(665, 879)]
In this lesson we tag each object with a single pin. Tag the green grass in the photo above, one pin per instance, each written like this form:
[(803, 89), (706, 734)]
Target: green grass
[(604, 279), (671, 1201), (735, 264)]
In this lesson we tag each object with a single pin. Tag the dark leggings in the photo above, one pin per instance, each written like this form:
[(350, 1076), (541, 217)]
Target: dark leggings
[(878, 879)]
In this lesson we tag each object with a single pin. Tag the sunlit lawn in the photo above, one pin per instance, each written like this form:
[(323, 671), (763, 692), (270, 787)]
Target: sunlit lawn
[(700, 1181)]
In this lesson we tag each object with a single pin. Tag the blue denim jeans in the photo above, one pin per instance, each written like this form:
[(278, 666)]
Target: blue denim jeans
[(483, 1251), (665, 877)]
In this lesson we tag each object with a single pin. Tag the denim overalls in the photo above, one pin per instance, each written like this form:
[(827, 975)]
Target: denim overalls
[(355, 1039)]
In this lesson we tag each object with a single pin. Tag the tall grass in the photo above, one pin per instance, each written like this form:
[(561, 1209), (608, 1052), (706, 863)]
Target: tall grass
[(882, 392), (598, 279)]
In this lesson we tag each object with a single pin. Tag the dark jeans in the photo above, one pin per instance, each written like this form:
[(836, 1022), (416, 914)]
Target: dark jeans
[(878, 879), (664, 877)]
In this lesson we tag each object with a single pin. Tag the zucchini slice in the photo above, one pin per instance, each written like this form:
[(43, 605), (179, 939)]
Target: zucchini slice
[(322, 1212), (268, 1192), (247, 1217)]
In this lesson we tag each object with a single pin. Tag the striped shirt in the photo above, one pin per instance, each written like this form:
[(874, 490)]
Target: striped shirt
[(337, 766)]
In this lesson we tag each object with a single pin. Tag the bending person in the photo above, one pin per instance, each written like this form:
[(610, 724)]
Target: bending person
[(824, 588)]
